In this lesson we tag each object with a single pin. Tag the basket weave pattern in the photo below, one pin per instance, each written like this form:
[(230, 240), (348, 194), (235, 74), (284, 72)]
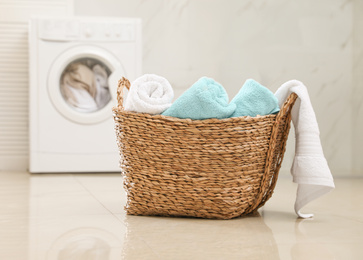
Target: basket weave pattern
[(214, 168)]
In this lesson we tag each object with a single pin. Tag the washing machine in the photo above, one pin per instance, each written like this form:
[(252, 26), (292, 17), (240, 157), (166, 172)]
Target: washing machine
[(75, 64)]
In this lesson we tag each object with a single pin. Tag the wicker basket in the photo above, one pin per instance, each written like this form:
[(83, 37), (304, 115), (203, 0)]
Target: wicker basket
[(213, 168)]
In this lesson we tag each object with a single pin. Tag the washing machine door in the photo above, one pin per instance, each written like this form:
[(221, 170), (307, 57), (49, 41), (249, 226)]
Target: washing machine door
[(82, 84)]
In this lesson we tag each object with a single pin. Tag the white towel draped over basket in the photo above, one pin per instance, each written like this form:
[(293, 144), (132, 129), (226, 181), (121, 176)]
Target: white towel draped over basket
[(310, 169)]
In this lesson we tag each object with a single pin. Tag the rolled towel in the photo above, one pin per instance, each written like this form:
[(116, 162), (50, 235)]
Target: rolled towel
[(310, 168), (254, 99), (149, 93), (204, 99)]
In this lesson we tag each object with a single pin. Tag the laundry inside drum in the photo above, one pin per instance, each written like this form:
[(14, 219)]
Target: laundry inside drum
[(84, 85)]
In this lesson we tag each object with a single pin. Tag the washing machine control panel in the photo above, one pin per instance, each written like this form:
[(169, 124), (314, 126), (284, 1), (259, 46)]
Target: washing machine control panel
[(75, 30)]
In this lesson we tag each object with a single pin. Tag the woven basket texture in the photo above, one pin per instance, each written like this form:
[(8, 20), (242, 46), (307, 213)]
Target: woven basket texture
[(213, 168)]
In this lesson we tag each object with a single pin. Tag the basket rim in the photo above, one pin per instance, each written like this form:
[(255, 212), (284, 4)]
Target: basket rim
[(192, 121)]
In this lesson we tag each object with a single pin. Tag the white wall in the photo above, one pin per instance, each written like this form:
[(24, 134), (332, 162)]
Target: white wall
[(14, 16), (316, 42), (357, 91)]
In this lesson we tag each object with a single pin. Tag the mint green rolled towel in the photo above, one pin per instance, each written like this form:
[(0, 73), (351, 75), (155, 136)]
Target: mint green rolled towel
[(254, 99), (206, 98)]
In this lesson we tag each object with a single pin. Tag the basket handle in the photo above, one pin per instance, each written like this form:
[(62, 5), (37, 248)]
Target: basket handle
[(123, 82)]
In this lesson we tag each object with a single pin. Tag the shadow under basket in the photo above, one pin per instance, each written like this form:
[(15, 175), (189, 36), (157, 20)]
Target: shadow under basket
[(213, 168)]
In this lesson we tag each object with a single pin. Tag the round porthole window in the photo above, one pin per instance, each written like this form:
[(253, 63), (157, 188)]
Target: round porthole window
[(82, 84)]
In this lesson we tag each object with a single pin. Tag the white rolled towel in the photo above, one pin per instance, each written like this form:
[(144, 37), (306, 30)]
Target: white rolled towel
[(149, 93)]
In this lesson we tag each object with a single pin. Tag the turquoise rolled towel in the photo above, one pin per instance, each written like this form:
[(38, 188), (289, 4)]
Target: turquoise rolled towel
[(206, 98), (254, 99)]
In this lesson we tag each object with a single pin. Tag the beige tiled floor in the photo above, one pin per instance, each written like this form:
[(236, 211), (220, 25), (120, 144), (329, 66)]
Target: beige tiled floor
[(80, 216)]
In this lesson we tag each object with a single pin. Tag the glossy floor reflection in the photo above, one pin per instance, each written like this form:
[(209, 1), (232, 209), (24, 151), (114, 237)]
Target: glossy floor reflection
[(81, 216)]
